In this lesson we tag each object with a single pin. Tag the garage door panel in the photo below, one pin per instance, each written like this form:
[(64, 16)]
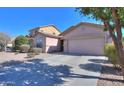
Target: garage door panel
[(86, 46)]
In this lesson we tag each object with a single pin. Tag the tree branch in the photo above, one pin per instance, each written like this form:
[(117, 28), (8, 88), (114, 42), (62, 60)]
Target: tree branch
[(117, 26)]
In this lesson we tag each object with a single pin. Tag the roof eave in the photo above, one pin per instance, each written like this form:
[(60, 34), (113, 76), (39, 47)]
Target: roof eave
[(81, 23)]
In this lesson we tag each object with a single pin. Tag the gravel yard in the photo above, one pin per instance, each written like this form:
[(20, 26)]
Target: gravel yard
[(11, 56), (110, 76)]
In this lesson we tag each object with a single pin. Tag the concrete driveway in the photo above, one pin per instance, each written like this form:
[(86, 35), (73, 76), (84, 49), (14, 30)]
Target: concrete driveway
[(84, 70), (51, 69)]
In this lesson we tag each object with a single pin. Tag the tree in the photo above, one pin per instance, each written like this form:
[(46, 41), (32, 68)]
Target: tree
[(4, 39), (113, 20), (20, 40)]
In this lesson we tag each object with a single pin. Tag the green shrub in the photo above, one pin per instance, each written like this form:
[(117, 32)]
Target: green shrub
[(37, 51), (24, 48), (20, 40), (110, 52)]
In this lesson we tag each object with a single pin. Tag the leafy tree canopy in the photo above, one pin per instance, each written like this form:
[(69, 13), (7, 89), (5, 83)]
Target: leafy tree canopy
[(103, 14)]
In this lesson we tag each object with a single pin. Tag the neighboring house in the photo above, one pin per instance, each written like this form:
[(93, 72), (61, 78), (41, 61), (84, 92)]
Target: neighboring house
[(10, 44), (85, 38), (45, 37)]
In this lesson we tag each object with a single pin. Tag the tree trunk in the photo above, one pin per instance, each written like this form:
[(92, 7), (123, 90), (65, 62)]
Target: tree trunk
[(122, 64), (115, 41), (119, 38), (117, 27), (114, 38)]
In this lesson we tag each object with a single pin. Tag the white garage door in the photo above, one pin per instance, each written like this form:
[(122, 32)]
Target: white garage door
[(86, 46)]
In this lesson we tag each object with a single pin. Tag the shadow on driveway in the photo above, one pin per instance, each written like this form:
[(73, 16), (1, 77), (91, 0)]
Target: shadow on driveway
[(98, 61), (108, 69), (94, 65), (36, 73), (33, 73), (91, 67)]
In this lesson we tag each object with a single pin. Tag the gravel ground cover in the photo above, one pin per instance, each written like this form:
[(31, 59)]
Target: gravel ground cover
[(110, 76)]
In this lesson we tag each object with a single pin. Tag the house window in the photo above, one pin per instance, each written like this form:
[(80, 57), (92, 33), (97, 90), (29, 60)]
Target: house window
[(39, 42)]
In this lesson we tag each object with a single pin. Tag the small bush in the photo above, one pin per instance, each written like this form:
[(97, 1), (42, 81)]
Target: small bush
[(30, 55), (110, 52), (24, 48), (20, 40), (37, 51)]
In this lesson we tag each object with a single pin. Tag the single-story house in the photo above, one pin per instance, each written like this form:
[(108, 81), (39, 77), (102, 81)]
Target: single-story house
[(83, 38)]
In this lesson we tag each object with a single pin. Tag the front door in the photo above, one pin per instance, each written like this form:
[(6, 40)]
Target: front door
[(61, 46)]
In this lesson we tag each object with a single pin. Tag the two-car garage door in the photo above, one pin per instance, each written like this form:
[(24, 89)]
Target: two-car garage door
[(86, 46)]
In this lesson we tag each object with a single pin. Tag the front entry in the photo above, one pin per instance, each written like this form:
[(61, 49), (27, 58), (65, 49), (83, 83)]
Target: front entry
[(61, 45)]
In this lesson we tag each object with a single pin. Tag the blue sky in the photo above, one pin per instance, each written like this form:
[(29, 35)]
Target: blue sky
[(17, 21)]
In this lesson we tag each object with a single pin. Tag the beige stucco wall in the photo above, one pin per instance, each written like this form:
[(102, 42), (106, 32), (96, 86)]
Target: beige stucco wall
[(85, 39), (52, 44), (84, 31), (48, 44), (108, 37), (50, 30)]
